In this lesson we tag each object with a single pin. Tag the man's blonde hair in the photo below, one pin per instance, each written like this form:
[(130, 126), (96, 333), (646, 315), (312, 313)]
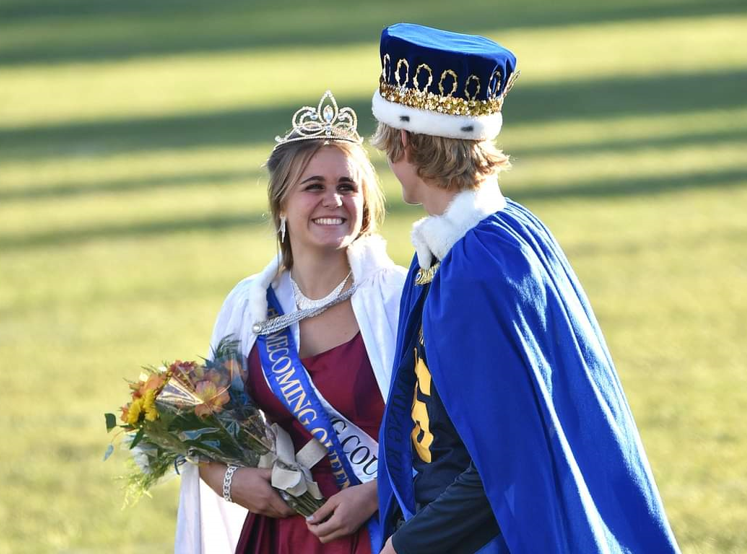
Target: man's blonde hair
[(453, 164), (287, 163)]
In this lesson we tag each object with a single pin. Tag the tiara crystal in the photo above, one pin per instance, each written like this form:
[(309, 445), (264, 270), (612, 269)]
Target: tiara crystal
[(325, 122)]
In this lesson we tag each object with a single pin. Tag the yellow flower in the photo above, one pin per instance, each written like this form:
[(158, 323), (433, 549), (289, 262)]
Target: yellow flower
[(133, 414), (149, 405)]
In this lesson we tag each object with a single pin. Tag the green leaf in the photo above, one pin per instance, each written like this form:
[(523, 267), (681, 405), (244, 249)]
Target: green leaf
[(111, 422), (138, 437), (227, 347), (108, 452)]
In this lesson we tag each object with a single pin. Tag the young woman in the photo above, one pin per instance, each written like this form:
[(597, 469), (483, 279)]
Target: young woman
[(326, 205)]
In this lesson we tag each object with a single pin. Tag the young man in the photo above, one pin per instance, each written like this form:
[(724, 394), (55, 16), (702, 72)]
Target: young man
[(506, 427)]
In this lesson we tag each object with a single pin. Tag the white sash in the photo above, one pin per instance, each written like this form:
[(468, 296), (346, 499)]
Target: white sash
[(361, 450)]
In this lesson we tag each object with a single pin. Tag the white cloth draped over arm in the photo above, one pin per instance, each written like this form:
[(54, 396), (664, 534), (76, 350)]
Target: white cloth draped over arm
[(206, 523)]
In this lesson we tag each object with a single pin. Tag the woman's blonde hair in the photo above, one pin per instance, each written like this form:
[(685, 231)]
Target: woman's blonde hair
[(453, 164), (287, 163)]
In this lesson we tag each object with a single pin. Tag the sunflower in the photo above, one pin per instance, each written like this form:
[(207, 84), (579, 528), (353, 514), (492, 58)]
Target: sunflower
[(133, 414), (149, 405)]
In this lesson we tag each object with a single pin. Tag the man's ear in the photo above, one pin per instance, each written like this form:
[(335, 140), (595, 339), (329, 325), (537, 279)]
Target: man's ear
[(404, 138)]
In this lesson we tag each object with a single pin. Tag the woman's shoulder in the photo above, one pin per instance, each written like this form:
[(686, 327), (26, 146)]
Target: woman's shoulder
[(394, 277), (368, 258)]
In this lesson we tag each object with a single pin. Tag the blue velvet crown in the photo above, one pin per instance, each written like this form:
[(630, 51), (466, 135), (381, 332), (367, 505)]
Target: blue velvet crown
[(448, 74)]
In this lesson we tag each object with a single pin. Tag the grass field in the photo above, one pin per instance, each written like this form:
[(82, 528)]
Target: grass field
[(132, 199)]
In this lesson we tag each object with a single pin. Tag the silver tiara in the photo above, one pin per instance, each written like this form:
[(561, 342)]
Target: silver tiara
[(325, 122)]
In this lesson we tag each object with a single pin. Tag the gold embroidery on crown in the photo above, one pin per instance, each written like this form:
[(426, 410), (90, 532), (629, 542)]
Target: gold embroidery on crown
[(425, 276), (386, 69), (467, 93), (510, 82), (407, 73), (494, 88), (454, 82), (325, 122), (444, 103), (415, 78)]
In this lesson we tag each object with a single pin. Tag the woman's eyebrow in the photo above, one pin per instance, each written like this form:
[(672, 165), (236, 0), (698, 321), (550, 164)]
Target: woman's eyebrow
[(313, 178)]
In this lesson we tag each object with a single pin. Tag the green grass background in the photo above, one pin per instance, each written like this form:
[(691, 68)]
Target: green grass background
[(132, 199)]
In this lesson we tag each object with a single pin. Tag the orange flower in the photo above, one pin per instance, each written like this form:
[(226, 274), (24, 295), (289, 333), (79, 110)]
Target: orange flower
[(234, 368), (186, 372), (125, 412), (136, 389), (183, 369), (213, 398), (155, 383), (220, 379)]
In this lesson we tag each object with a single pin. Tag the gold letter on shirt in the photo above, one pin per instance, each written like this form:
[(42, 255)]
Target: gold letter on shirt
[(420, 411)]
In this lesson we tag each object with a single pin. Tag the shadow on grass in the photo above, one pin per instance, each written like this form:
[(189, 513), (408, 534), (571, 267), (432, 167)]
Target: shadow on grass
[(79, 235), (585, 100), (607, 189), (139, 28), (690, 244), (610, 188), (61, 191), (703, 138), (67, 190)]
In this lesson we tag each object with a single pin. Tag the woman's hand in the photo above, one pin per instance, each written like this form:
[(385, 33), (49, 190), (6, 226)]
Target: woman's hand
[(250, 488), (344, 513)]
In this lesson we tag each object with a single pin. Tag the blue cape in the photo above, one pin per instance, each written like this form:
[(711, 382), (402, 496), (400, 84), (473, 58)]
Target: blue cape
[(524, 373)]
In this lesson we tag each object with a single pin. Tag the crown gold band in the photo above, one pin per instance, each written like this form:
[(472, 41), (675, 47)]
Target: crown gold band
[(447, 104)]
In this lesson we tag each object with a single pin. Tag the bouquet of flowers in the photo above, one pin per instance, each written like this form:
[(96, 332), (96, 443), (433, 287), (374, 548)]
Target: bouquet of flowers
[(194, 412)]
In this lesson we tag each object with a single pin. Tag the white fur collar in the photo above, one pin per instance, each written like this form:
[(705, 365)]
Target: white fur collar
[(435, 235), (366, 256)]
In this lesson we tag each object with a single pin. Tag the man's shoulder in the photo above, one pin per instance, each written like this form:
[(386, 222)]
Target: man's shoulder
[(492, 250)]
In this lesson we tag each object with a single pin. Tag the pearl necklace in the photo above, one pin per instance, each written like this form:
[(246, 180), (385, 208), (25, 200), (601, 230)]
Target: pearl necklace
[(303, 302)]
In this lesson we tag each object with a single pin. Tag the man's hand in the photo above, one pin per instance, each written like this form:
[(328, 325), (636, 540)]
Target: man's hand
[(388, 547), (344, 513)]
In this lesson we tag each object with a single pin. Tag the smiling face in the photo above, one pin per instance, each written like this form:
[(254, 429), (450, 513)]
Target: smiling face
[(324, 208)]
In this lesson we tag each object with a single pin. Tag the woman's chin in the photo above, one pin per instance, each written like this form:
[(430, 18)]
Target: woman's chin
[(333, 243), (334, 238)]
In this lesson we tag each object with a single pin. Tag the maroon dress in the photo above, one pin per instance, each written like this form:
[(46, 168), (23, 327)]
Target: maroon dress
[(345, 378)]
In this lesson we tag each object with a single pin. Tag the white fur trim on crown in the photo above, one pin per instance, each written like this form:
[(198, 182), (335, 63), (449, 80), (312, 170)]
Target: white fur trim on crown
[(484, 127), (436, 234)]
